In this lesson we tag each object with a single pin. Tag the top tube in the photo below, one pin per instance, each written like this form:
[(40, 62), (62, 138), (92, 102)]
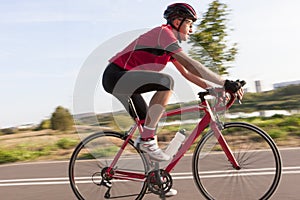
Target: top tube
[(219, 93)]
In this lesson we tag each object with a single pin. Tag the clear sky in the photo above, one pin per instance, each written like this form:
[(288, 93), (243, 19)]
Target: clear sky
[(44, 45)]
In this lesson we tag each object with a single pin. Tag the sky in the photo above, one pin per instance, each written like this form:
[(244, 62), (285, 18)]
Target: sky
[(46, 48)]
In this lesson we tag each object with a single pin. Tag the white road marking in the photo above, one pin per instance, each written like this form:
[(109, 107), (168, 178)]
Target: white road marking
[(175, 176)]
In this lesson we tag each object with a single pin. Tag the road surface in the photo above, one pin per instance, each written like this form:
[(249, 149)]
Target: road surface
[(49, 180)]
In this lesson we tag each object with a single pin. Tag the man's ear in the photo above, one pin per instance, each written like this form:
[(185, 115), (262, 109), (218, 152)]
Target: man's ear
[(176, 22)]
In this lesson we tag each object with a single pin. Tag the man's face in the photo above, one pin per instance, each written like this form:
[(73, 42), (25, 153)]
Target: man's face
[(186, 29)]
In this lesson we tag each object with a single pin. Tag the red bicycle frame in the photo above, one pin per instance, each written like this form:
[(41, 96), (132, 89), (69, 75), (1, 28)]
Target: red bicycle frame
[(208, 119)]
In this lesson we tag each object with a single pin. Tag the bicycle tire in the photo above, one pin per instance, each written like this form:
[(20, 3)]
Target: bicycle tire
[(96, 152), (257, 155)]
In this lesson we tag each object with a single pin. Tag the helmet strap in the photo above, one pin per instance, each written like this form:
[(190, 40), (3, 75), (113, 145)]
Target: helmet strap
[(177, 29)]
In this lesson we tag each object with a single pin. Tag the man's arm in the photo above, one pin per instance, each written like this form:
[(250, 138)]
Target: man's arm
[(190, 76), (197, 68)]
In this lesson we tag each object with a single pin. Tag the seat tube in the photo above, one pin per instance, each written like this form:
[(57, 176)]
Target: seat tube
[(126, 141), (224, 145)]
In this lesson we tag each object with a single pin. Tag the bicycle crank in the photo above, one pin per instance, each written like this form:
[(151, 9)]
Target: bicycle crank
[(159, 182)]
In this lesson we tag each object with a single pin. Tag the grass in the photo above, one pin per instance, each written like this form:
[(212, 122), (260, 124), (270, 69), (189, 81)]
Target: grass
[(286, 125), (36, 145), (66, 143), (22, 154), (109, 151)]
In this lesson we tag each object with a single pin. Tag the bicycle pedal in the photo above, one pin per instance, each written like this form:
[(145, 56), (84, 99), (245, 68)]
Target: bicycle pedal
[(137, 142), (106, 184)]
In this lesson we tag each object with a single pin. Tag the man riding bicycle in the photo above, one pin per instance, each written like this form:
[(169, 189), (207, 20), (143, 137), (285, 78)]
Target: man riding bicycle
[(136, 70)]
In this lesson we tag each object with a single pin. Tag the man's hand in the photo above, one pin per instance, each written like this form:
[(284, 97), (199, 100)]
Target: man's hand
[(235, 87)]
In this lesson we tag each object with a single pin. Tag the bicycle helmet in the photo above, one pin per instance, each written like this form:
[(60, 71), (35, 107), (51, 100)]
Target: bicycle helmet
[(179, 10), (183, 10)]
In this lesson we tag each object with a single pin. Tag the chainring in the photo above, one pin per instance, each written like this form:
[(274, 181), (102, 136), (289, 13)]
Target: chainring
[(159, 181)]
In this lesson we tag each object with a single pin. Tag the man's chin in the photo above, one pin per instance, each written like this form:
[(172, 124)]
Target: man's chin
[(184, 39)]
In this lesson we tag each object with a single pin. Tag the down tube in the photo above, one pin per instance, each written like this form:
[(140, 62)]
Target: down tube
[(191, 139), (224, 145)]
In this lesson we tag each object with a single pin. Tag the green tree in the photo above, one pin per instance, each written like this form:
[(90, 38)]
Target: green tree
[(209, 42), (45, 124), (61, 119)]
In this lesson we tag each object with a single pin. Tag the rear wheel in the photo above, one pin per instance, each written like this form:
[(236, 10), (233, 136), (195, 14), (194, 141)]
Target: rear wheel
[(256, 154), (88, 174)]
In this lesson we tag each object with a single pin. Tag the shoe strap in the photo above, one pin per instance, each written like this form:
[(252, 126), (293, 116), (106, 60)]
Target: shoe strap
[(147, 139)]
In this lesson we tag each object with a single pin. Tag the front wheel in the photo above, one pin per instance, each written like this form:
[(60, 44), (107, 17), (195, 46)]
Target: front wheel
[(256, 154), (89, 163)]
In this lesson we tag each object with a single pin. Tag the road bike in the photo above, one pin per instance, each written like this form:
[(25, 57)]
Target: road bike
[(233, 160)]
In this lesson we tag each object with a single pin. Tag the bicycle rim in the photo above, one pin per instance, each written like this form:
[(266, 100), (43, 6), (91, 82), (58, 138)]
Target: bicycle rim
[(255, 152), (95, 153)]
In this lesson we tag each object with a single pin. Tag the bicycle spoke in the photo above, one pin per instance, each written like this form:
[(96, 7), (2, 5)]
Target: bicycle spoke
[(256, 154), (92, 177)]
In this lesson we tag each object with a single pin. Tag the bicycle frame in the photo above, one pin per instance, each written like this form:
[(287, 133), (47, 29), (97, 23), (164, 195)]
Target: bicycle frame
[(208, 119)]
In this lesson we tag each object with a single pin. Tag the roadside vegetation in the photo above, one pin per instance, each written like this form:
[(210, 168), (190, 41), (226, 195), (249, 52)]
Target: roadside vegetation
[(58, 145), (285, 98), (37, 145), (56, 142)]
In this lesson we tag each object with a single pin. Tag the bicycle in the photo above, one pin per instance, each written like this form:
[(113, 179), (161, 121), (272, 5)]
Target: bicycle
[(234, 160)]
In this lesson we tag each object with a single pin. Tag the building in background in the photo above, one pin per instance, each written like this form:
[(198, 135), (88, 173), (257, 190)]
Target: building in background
[(258, 86), (283, 84)]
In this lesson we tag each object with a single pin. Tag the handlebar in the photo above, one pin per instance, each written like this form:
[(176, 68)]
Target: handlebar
[(217, 91)]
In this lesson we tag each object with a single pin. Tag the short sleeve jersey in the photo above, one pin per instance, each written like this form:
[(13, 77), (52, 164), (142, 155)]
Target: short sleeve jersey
[(150, 51)]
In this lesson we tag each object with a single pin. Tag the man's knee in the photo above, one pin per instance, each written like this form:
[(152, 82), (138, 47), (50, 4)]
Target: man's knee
[(167, 81)]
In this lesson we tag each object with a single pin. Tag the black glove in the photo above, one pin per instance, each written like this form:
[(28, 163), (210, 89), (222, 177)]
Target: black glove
[(233, 86)]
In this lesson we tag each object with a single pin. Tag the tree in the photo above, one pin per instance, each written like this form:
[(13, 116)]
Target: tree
[(45, 124), (61, 119), (209, 42)]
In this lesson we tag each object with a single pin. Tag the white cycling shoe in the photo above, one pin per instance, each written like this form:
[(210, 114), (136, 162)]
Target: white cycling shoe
[(171, 193), (151, 148)]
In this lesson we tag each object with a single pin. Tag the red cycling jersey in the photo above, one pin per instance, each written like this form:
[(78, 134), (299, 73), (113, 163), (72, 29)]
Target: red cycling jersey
[(150, 51)]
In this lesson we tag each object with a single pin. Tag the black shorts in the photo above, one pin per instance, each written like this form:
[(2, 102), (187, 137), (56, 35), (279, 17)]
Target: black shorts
[(125, 84)]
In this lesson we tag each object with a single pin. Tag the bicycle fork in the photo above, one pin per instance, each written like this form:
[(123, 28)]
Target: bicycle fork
[(224, 145)]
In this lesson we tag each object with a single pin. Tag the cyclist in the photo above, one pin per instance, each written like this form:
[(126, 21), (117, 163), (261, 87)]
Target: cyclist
[(136, 70)]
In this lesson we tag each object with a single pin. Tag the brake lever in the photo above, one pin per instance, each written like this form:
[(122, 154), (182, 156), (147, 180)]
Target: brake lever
[(239, 100), (243, 83)]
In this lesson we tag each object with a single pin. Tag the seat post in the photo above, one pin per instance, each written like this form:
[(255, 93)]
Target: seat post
[(132, 109)]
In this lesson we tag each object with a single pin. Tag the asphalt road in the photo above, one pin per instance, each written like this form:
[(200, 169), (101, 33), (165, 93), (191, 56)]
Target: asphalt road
[(49, 180)]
